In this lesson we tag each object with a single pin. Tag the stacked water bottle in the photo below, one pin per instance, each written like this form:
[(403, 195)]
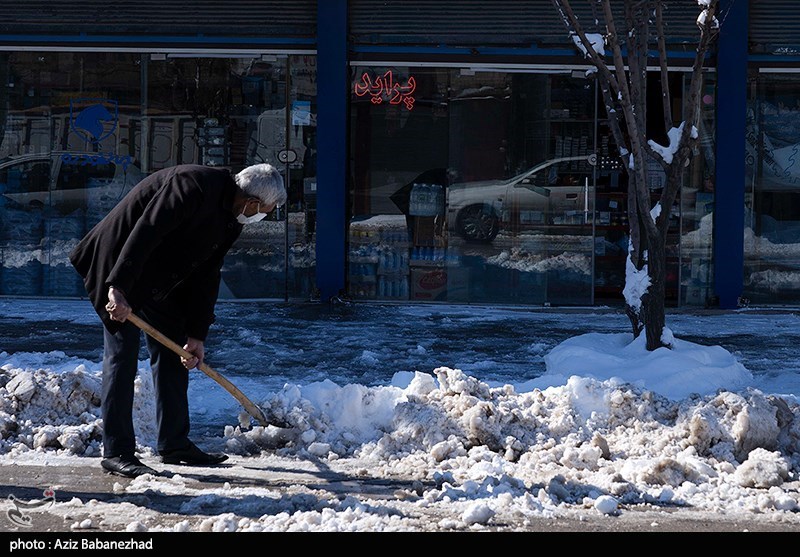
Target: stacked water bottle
[(393, 236), (363, 260), (393, 273), (393, 287), (362, 278), (433, 255), (426, 200), (393, 261)]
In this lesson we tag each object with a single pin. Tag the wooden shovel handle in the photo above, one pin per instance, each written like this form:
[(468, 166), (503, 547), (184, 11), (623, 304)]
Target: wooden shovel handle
[(251, 408)]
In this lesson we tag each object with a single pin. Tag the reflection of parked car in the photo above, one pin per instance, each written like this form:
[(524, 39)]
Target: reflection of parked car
[(67, 181), (475, 210)]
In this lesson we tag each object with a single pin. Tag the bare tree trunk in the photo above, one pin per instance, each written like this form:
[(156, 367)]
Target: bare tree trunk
[(624, 93), (653, 310)]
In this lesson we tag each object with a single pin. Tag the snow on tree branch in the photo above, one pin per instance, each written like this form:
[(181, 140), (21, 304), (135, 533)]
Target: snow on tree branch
[(597, 41), (674, 135)]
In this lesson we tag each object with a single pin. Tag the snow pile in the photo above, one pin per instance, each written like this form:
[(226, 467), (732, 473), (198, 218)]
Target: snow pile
[(608, 427), (588, 442), (522, 260), (17, 258), (677, 372), (760, 246), (57, 407), (773, 280)]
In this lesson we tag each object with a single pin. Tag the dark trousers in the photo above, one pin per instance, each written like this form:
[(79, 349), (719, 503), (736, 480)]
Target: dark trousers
[(170, 378)]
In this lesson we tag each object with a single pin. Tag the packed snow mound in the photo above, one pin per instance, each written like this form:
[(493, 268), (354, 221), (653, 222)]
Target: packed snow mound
[(677, 372)]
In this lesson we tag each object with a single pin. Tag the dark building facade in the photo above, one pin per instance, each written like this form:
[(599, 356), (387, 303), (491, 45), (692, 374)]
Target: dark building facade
[(433, 151)]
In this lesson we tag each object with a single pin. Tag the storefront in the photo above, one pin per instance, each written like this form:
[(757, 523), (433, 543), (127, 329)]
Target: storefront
[(772, 185), (488, 175), (81, 125), (466, 156)]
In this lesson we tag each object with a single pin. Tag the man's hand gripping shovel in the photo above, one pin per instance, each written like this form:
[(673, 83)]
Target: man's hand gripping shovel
[(256, 412)]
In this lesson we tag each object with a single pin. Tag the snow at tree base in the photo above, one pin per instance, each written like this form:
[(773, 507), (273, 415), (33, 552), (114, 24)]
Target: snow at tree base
[(592, 423)]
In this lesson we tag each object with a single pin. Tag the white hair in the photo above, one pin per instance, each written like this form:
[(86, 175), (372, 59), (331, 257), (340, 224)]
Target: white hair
[(264, 182)]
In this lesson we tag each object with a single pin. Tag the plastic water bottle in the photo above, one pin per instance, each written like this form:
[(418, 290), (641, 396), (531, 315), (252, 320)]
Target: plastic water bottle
[(437, 201), (430, 202), (413, 205)]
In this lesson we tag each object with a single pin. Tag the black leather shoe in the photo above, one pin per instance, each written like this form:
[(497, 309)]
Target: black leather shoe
[(192, 456), (128, 466)]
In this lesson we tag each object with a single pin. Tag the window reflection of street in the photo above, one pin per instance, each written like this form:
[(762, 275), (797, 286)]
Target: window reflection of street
[(772, 193), (79, 129)]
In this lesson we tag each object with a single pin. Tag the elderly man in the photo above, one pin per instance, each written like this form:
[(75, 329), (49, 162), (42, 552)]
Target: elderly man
[(159, 252)]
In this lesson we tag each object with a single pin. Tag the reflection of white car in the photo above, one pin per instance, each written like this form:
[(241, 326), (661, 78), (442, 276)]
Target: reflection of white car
[(475, 210), (67, 181)]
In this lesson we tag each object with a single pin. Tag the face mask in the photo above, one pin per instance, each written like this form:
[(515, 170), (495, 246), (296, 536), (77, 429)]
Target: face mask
[(251, 219)]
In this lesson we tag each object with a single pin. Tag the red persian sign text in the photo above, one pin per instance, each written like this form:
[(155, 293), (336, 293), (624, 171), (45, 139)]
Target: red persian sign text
[(385, 87)]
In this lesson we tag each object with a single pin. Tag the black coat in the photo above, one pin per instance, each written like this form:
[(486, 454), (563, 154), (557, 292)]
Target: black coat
[(166, 239)]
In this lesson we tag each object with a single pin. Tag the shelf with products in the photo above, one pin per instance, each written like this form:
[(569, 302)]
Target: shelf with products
[(561, 138), (425, 263), (421, 263), (376, 240), (393, 262), (392, 287), (618, 220), (378, 257), (359, 258), (362, 279), (567, 97), (611, 220), (378, 244)]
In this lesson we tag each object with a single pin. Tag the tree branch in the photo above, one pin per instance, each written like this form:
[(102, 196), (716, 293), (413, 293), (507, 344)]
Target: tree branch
[(691, 114), (662, 62), (574, 27), (636, 135)]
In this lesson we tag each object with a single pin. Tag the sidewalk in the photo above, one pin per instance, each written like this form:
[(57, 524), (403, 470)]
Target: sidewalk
[(89, 501)]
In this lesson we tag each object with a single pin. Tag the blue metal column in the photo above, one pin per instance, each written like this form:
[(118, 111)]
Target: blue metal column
[(332, 96), (730, 153)]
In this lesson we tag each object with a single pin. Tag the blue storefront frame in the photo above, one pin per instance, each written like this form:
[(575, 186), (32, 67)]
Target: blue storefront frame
[(335, 51)]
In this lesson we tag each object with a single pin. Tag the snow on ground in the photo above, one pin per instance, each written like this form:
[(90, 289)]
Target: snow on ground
[(607, 428)]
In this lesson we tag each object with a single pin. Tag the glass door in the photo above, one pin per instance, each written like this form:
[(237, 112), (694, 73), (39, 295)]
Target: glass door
[(471, 186), (235, 112), (520, 200), (66, 158), (772, 192)]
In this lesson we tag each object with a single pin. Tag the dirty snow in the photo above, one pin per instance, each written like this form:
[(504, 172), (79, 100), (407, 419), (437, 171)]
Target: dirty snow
[(606, 428)]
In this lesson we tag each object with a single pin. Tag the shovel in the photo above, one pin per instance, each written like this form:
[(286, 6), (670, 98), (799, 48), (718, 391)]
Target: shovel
[(251, 408)]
